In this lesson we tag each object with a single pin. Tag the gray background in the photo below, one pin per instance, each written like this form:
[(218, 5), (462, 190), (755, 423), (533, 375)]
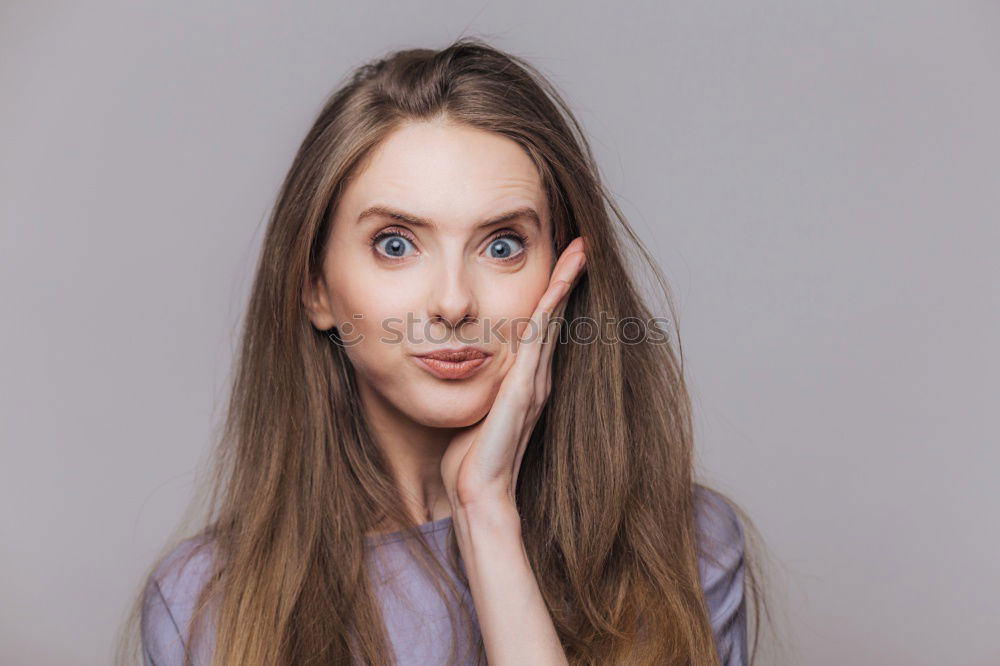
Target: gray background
[(819, 181)]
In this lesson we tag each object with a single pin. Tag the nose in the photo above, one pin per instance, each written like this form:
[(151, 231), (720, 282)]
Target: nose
[(452, 300)]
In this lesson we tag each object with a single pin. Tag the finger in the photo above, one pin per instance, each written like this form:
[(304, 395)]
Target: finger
[(517, 388), (566, 274), (552, 330), (543, 374), (533, 334), (563, 269), (576, 265), (531, 338), (567, 269)]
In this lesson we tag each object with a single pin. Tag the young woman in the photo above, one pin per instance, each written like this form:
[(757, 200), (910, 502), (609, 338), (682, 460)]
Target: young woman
[(426, 459)]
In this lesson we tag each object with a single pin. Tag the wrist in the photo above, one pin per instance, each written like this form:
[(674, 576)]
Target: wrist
[(497, 493), (493, 515)]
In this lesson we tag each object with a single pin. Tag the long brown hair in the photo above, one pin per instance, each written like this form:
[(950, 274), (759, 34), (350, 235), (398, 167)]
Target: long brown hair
[(606, 491)]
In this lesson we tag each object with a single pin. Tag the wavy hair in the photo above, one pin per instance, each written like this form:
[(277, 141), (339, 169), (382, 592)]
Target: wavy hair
[(606, 490)]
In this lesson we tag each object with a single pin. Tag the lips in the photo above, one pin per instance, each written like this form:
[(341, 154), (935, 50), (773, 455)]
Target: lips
[(453, 363), (455, 355)]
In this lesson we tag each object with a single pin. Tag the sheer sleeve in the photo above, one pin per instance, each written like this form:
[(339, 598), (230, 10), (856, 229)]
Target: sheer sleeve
[(168, 602), (162, 644), (721, 565)]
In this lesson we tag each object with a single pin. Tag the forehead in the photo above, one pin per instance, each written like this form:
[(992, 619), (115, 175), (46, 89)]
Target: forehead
[(453, 174)]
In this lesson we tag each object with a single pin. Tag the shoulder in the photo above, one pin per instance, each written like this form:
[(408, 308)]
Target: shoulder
[(169, 597), (721, 567)]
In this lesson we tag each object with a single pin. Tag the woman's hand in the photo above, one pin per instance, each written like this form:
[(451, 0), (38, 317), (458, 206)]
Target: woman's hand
[(483, 460), (480, 469)]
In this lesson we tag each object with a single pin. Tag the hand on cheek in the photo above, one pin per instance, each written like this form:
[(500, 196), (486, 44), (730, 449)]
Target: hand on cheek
[(483, 460)]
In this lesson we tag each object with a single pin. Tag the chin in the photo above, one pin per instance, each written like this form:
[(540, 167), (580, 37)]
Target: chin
[(440, 411)]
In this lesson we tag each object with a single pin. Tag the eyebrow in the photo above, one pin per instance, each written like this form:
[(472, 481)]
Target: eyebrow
[(525, 212)]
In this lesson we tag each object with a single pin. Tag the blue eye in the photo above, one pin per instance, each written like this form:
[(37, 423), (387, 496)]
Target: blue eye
[(500, 247), (395, 245)]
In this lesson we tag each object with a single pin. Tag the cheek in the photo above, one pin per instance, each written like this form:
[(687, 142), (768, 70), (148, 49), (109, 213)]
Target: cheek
[(377, 354), (377, 325), (368, 297), (371, 314), (520, 301), (514, 302)]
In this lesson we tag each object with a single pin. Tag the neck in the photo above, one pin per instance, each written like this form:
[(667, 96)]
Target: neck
[(414, 453)]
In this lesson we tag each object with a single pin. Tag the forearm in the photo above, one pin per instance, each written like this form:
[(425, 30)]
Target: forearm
[(513, 619)]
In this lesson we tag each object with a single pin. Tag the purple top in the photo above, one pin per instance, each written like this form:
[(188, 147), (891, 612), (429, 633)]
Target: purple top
[(416, 618)]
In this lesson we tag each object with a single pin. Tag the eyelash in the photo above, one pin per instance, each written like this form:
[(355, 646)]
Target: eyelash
[(507, 233)]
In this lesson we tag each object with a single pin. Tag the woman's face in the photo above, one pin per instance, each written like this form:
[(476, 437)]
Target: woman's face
[(440, 277)]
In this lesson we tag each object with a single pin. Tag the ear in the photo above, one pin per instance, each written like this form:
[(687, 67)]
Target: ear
[(317, 304)]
